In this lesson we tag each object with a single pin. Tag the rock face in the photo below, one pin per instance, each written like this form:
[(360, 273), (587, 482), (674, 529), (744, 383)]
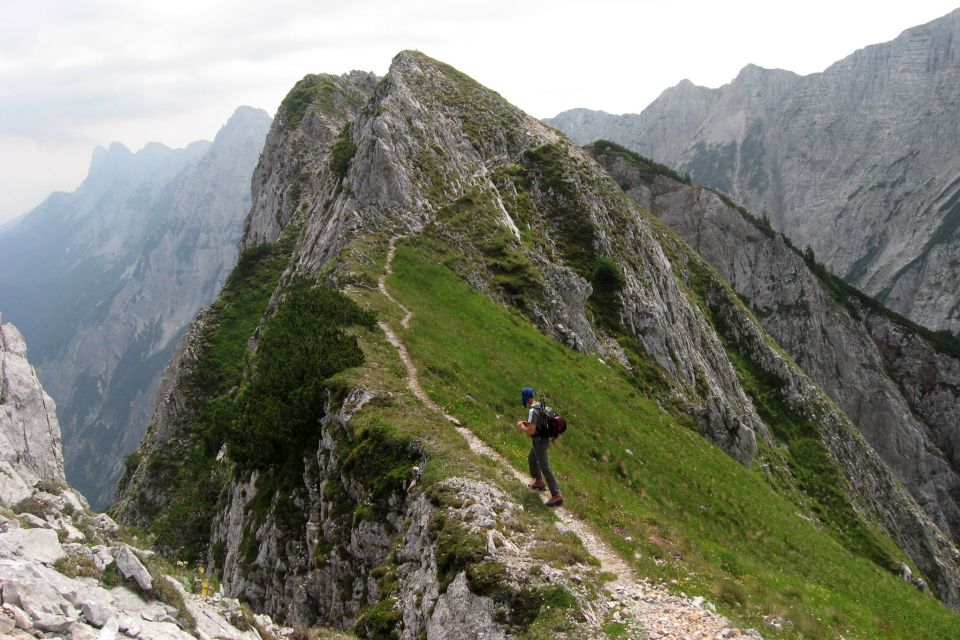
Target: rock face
[(352, 162), (29, 432), (902, 399), (107, 278), (859, 162), (844, 344), (341, 579)]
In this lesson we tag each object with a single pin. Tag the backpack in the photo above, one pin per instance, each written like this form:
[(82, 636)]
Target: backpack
[(556, 424)]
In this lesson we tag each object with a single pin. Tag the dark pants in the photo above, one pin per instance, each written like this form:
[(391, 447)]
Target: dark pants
[(540, 463)]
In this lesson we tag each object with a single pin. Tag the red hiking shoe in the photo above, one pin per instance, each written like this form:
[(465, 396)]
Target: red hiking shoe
[(537, 485), (556, 499)]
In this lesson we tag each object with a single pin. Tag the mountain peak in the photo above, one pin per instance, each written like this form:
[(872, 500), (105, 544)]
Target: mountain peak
[(244, 123), (755, 74), (110, 156), (245, 114)]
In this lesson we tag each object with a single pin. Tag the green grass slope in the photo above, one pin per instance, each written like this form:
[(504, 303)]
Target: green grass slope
[(655, 489)]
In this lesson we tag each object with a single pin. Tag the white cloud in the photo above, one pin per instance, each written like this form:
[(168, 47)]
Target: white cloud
[(76, 74)]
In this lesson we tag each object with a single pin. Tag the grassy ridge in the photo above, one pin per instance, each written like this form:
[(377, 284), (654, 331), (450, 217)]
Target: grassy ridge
[(655, 490)]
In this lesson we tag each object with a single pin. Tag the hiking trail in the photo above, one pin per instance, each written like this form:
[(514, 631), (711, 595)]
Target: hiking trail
[(649, 610)]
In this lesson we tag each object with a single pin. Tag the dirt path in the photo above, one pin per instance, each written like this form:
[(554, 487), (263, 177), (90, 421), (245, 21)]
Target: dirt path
[(650, 611)]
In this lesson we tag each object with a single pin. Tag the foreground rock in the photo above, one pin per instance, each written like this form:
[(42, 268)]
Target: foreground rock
[(77, 590), (29, 432), (65, 572)]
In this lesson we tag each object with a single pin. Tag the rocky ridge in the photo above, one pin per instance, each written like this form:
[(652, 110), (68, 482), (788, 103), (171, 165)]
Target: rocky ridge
[(106, 279), (853, 351), (378, 188), (429, 152), (859, 161), (846, 346)]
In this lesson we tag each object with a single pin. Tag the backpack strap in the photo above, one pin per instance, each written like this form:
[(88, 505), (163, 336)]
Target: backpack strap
[(542, 429)]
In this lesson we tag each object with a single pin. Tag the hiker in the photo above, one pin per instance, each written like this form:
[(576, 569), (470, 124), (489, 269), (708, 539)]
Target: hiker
[(535, 427)]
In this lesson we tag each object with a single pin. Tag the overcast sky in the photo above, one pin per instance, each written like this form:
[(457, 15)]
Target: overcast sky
[(78, 73)]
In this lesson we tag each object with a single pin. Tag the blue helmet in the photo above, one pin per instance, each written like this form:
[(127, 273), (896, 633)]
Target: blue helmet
[(525, 394)]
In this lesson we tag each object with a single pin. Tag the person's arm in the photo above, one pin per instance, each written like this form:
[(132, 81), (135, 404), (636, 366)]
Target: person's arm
[(528, 428)]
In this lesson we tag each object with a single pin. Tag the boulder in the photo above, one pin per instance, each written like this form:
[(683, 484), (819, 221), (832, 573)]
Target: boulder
[(80, 631), (52, 622), (105, 523), (38, 545), (96, 614), (21, 619), (129, 566)]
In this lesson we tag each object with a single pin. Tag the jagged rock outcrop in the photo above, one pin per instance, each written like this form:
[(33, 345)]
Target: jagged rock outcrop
[(29, 432), (105, 280), (859, 161), (338, 563), (536, 223), (298, 150)]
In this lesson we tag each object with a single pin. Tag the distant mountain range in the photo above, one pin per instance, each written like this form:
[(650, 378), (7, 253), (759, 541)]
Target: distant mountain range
[(104, 280), (861, 162)]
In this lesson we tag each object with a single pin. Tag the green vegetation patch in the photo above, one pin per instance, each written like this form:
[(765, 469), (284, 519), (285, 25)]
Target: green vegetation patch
[(457, 549), (547, 169), (190, 477), (810, 464), (77, 565), (342, 153), (656, 491), (33, 506), (379, 448), (232, 319), (382, 621), (302, 345), (474, 223), (182, 527), (316, 90), (647, 170), (607, 281), (813, 470)]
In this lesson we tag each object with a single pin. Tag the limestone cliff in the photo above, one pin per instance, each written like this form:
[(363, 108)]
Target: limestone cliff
[(859, 162), (29, 431)]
